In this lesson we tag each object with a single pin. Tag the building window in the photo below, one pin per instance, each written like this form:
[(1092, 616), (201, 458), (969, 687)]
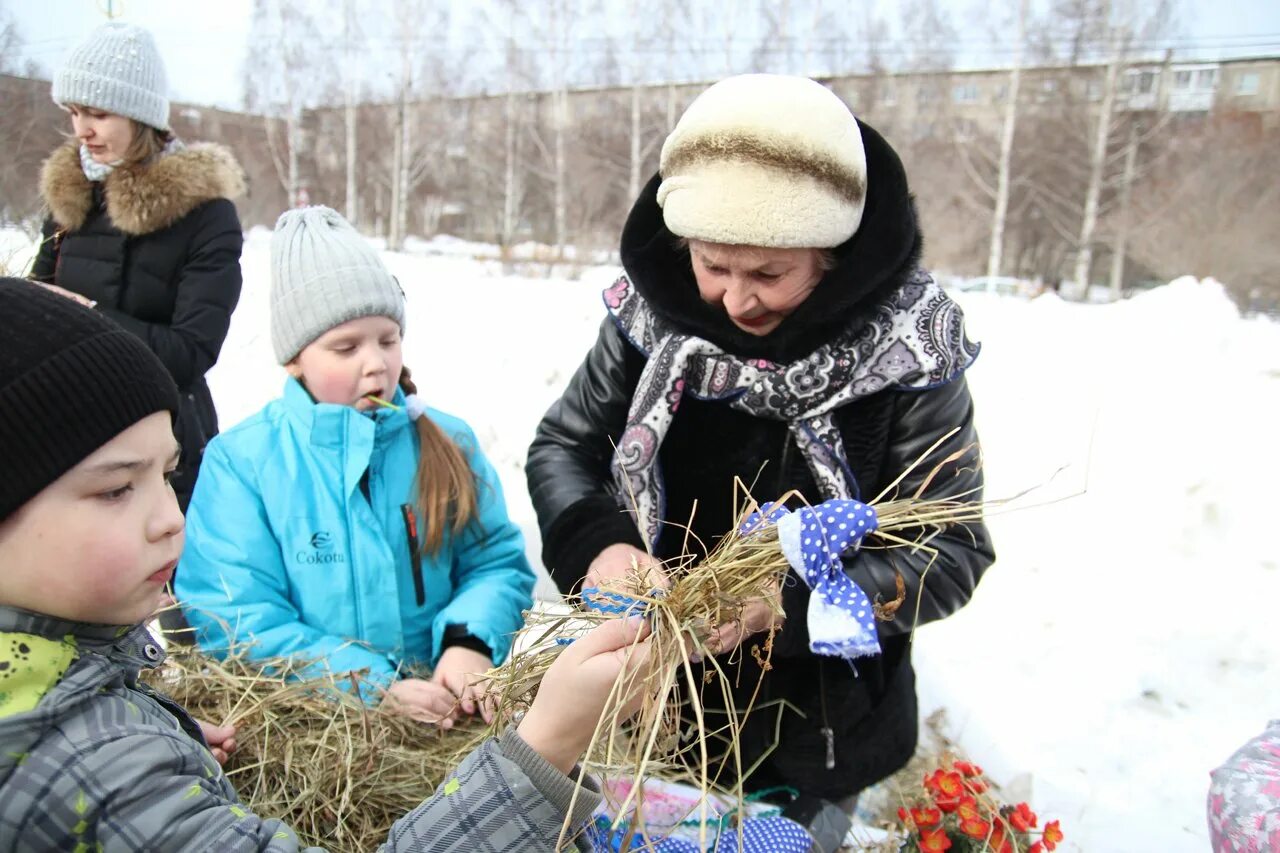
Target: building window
[(1146, 82), (966, 93), (1206, 78), (1247, 84), (1182, 80)]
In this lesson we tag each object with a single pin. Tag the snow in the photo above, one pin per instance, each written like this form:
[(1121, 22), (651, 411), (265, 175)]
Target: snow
[(1121, 647), (17, 251)]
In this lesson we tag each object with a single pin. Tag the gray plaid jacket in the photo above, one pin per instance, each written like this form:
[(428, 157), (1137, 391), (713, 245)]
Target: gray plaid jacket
[(91, 759)]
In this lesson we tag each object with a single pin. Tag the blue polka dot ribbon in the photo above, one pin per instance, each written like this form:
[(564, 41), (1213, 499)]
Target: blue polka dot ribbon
[(759, 835), (841, 620)]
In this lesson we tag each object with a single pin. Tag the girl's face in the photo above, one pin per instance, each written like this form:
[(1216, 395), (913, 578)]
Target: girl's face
[(106, 135), (756, 286), (350, 362), (100, 542)]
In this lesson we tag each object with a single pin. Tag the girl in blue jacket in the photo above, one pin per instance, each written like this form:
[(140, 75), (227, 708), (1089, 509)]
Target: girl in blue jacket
[(346, 523)]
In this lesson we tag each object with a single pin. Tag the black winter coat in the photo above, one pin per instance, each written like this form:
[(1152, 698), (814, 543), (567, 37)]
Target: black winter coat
[(862, 720), (158, 248)]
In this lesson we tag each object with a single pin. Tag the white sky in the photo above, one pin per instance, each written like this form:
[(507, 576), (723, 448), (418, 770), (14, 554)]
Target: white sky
[(203, 43)]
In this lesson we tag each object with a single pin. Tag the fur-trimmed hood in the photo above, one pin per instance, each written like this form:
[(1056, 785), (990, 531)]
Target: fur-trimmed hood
[(141, 199), (879, 257)]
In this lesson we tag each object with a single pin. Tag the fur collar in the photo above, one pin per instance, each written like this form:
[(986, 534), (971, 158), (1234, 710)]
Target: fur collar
[(878, 258), (141, 199)]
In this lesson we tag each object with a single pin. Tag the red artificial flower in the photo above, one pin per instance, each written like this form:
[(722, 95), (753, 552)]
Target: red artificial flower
[(926, 817), (903, 815), (999, 840), (975, 827), (1022, 818), (968, 769), (976, 785), (947, 788), (969, 810), (934, 841), (1036, 848), (1052, 834)]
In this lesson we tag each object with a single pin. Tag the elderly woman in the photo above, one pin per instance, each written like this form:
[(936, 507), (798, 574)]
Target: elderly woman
[(141, 227), (773, 325)]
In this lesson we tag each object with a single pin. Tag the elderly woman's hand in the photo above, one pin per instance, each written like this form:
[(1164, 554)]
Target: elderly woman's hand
[(756, 616), (615, 563)]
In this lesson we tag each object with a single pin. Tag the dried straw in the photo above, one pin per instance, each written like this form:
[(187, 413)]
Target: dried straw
[(338, 772), (342, 773), (745, 566)]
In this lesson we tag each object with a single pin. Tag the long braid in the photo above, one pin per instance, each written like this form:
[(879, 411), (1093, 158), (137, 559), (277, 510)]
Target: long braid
[(446, 484)]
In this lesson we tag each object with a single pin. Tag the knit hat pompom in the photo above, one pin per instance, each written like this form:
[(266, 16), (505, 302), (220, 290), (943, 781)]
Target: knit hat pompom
[(70, 381), (323, 273), (117, 69), (765, 160)]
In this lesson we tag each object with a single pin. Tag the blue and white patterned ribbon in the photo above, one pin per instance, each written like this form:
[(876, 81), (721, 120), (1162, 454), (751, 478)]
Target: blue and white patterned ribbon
[(610, 603), (775, 834), (841, 619)]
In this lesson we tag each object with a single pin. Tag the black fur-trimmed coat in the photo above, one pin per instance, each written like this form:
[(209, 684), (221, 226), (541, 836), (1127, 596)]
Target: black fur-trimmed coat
[(864, 721), (157, 246)]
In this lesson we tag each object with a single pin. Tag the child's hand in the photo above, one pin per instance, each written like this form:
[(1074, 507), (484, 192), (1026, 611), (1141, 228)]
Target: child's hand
[(221, 740), (573, 693), (423, 701), (619, 560), (757, 615), (461, 672), (63, 292)]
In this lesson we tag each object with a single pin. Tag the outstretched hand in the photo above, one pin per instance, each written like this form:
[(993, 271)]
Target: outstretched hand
[(574, 692)]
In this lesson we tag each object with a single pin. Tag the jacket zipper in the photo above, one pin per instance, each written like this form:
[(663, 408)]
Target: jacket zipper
[(782, 467), (827, 733), (415, 558)]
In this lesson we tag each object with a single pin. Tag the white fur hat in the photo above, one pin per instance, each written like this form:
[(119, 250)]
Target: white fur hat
[(765, 160)]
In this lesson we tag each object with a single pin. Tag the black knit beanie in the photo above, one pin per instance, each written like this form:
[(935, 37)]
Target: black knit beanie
[(70, 381)]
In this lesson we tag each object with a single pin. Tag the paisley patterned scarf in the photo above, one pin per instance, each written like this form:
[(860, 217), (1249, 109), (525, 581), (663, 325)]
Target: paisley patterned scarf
[(913, 339)]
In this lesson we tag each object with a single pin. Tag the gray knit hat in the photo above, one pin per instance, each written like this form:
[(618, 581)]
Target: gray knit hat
[(323, 273), (117, 69)]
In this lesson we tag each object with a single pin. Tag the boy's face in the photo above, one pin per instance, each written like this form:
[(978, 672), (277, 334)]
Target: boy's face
[(351, 361), (100, 542)]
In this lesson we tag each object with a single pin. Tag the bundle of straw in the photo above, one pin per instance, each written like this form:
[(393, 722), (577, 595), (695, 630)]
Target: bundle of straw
[(746, 566), (337, 771)]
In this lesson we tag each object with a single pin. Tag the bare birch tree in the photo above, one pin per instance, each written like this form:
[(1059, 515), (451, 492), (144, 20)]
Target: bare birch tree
[(1009, 126), (286, 73)]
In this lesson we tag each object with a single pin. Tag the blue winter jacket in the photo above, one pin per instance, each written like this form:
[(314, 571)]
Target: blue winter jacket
[(297, 543)]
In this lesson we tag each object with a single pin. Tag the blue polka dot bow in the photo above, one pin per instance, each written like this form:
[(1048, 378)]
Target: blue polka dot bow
[(841, 620)]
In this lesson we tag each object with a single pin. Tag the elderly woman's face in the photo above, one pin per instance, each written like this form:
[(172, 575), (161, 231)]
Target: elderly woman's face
[(756, 286)]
